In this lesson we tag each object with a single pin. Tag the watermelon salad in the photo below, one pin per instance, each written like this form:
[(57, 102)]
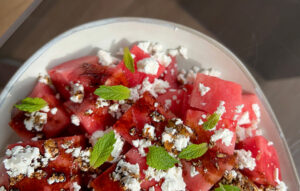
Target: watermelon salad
[(133, 121)]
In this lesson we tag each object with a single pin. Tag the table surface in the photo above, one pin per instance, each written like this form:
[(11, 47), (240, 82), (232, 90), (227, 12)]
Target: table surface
[(264, 34)]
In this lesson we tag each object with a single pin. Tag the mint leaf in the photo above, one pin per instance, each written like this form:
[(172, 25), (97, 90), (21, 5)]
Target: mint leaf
[(160, 159), (102, 149), (193, 151), (118, 92), (227, 188), (31, 104), (128, 60), (211, 122)]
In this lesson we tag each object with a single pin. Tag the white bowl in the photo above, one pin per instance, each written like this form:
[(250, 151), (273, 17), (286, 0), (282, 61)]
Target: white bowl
[(113, 33)]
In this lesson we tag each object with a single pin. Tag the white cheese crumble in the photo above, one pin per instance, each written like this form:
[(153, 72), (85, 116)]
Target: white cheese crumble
[(76, 186), (105, 58), (179, 141), (45, 79), (77, 93), (150, 189), (168, 103), (211, 72), (243, 133), (244, 119), (221, 108), (200, 122), (2, 188), (101, 103), (203, 89), (193, 171), (75, 120), (173, 52), (270, 143), (173, 180), (256, 109), (224, 135), (152, 173), (22, 161), (149, 131), (245, 159), (148, 66), (239, 108), (157, 87), (35, 121), (183, 52), (128, 175), (141, 144), (115, 111), (281, 185), (53, 111)]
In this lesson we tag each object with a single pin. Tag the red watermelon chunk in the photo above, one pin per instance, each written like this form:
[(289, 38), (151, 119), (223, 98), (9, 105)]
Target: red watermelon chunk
[(86, 70), (104, 182), (99, 119), (137, 77), (131, 124), (56, 123), (220, 90), (210, 171), (64, 163), (192, 119), (170, 74), (266, 158), (172, 100), (250, 111)]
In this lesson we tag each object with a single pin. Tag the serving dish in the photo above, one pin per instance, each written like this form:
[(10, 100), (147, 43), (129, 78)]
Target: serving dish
[(110, 34)]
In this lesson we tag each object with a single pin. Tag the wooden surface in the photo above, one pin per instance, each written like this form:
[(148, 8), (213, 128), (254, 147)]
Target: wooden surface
[(10, 11)]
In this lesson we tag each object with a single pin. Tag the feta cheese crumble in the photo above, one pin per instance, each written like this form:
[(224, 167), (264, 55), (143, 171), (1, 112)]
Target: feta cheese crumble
[(149, 131), (100, 103), (281, 185), (128, 175), (224, 135), (141, 144), (76, 186), (75, 120), (22, 161), (35, 120), (183, 52), (256, 109), (157, 87), (77, 92), (53, 111), (221, 108), (245, 159), (193, 171), (173, 180), (45, 79), (148, 66), (203, 89), (244, 119), (106, 59)]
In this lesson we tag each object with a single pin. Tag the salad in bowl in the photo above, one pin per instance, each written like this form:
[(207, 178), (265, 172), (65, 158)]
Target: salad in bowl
[(132, 120)]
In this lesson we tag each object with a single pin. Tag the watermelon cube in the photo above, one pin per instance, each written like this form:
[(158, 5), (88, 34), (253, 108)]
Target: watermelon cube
[(172, 100), (203, 173), (195, 120), (57, 121), (137, 77), (131, 124), (266, 159), (251, 110), (86, 70), (91, 117), (210, 92)]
